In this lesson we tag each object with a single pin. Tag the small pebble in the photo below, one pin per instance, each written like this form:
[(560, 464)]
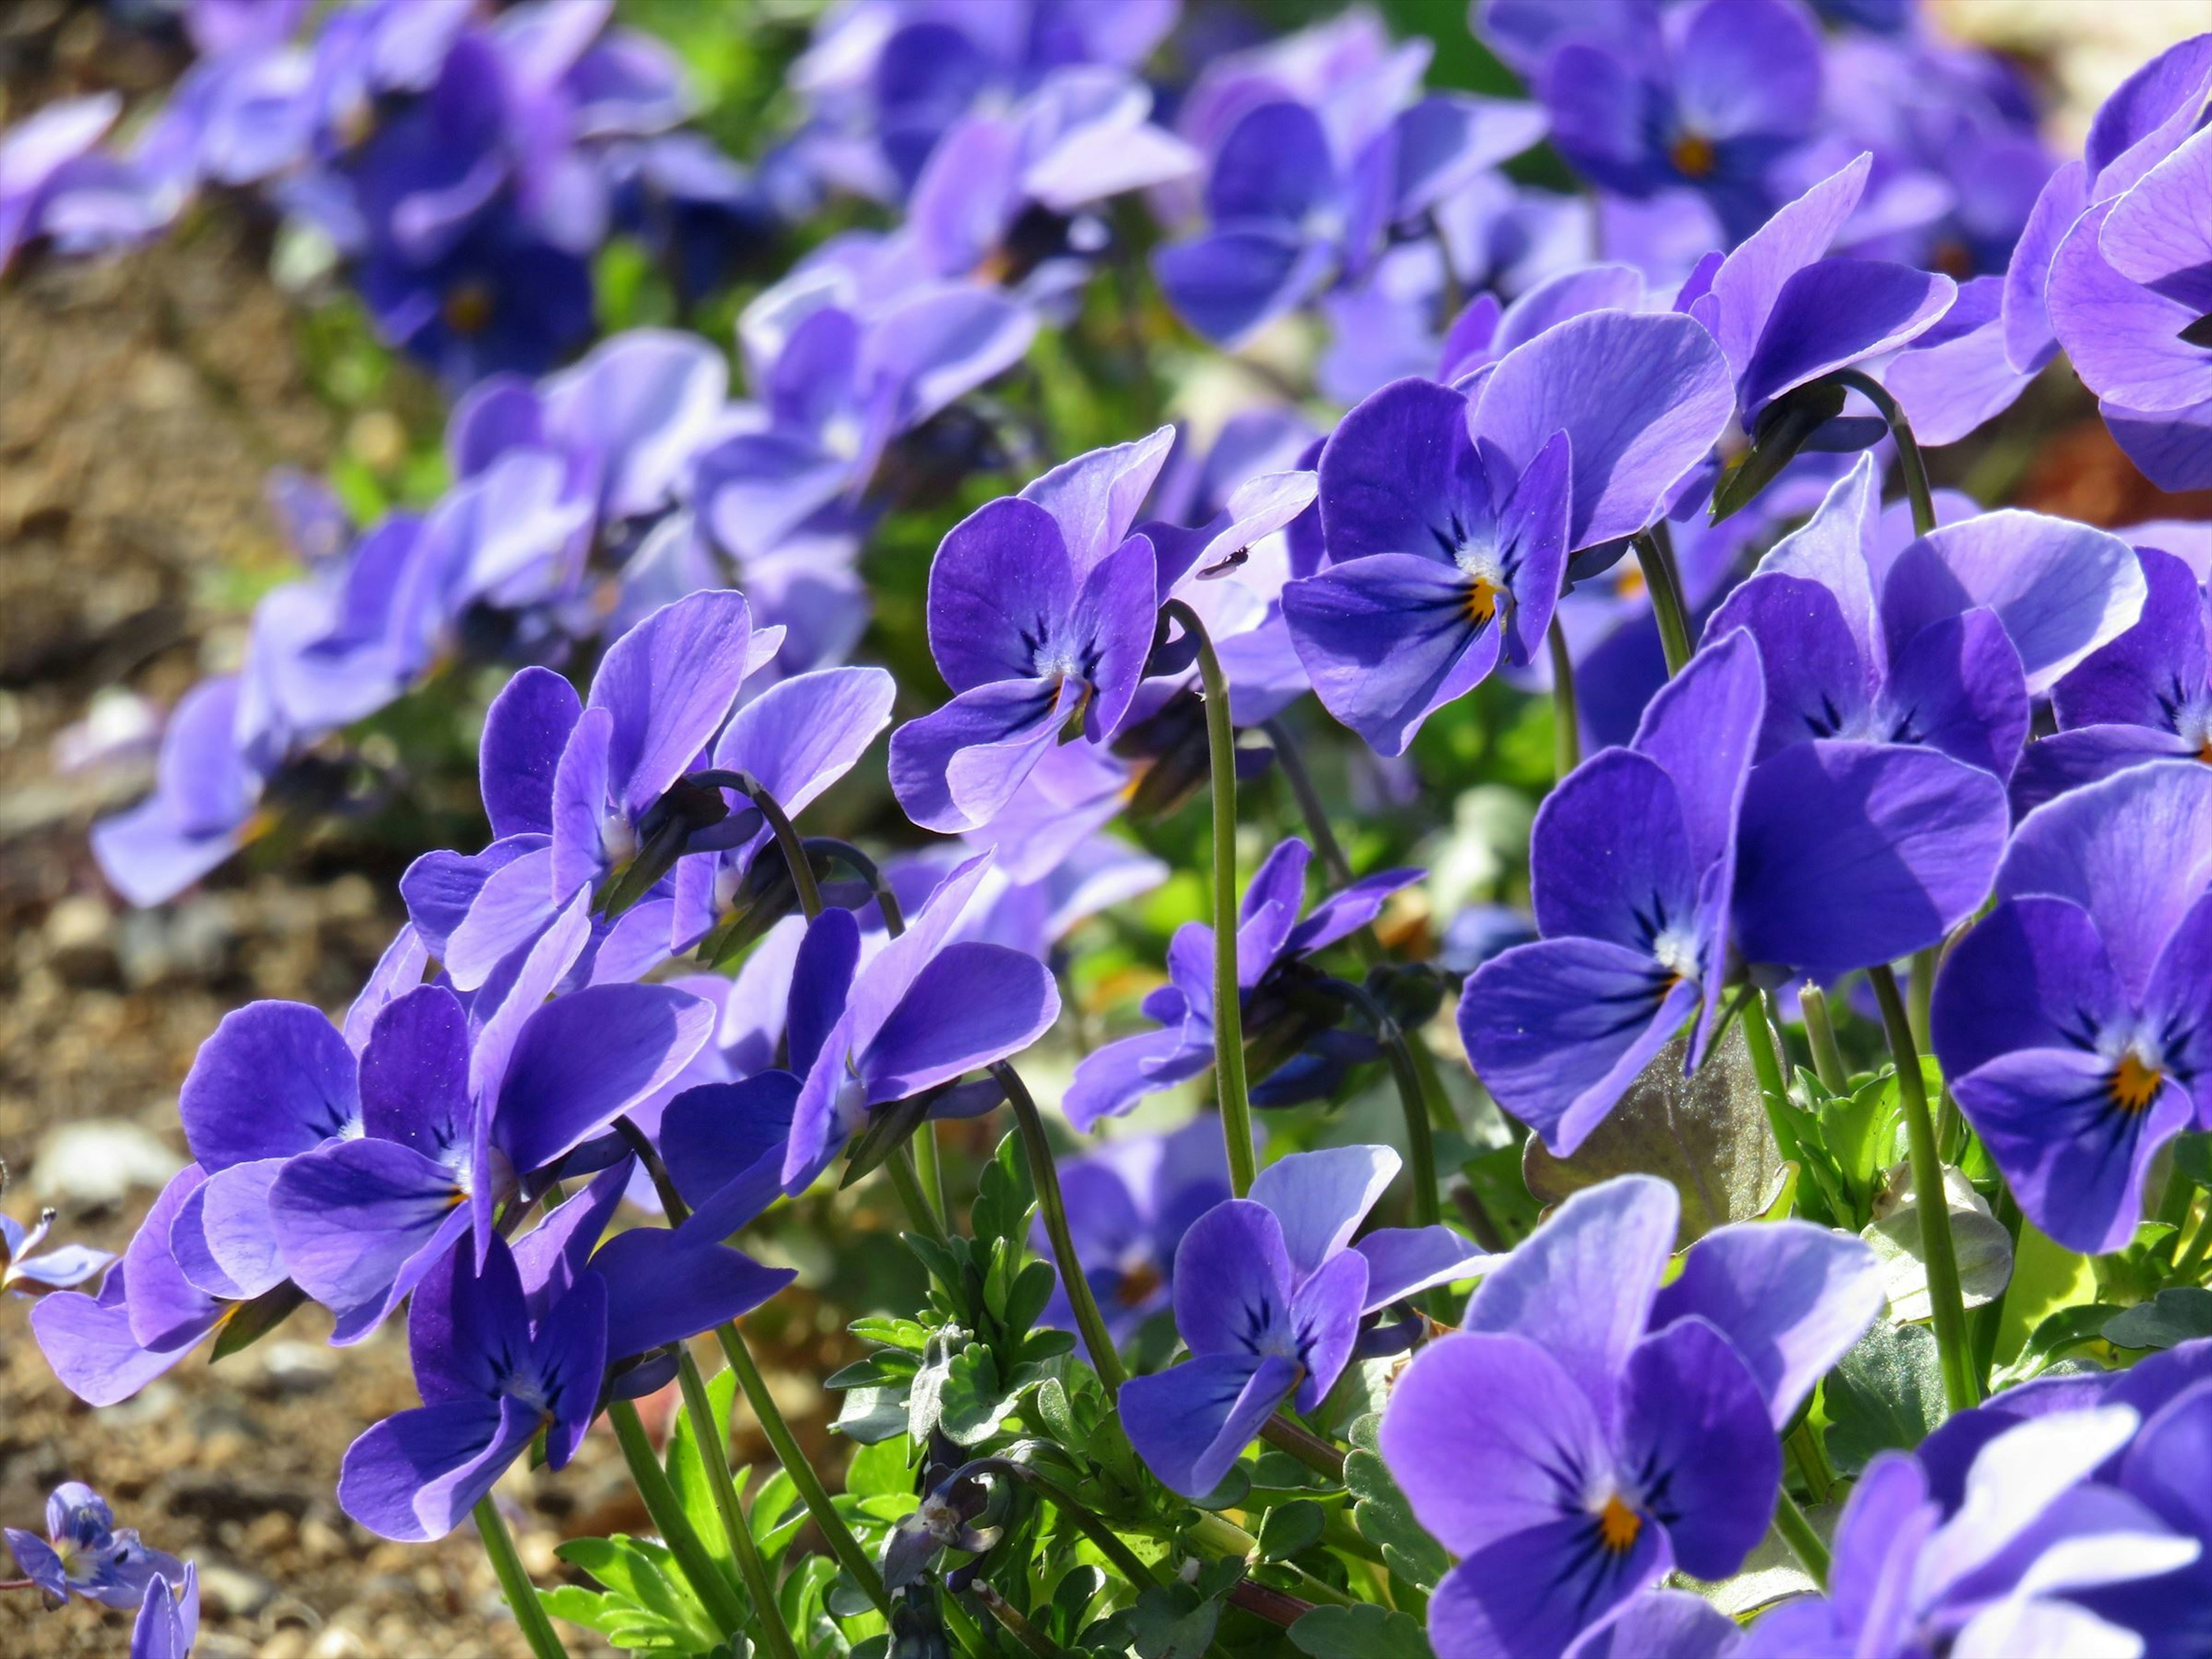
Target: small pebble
[(99, 1163)]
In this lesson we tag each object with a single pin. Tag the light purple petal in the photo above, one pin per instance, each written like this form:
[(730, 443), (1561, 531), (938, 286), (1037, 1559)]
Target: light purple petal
[(669, 684), (1751, 279), (1319, 1198), (1402, 1261), (971, 1005)]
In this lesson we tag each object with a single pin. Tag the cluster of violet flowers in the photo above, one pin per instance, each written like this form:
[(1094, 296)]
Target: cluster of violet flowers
[(1928, 779)]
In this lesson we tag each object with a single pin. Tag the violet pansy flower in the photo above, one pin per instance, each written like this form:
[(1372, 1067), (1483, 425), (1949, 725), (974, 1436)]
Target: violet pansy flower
[(2071, 1020), (459, 1108), (1271, 942), (1269, 1292), (1633, 861), (25, 1271), (1129, 1205), (1439, 566), (1042, 609), (1587, 1430), (37, 158), (2130, 295), (168, 1622), (2145, 696), (918, 1015), (1999, 1575), (1708, 96), (85, 1554), (208, 784)]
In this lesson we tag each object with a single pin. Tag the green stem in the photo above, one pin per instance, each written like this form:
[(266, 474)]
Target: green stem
[(1794, 1530), (1044, 1175), (1315, 812), (1920, 995), (1960, 1389), (1908, 452), (1820, 1032), (1027, 1636), (2180, 1197), (1309, 1449), (1766, 1065), (1092, 1526), (736, 1526), (905, 1177), (514, 1583), (1227, 1012), (1655, 555), (714, 1592), (788, 1452), (1805, 1450), (1566, 722), (2199, 1247), (1420, 1143), (786, 838)]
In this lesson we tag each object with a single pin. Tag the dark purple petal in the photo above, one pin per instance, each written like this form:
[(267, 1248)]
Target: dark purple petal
[(1344, 914), (1746, 67), (1642, 398), (971, 1005), (2135, 851), (1387, 641), (1791, 1297), (1227, 283), (1610, 854), (821, 984), (1695, 1428), (275, 1079), (1701, 725), (956, 769), (1557, 1030), (664, 1285), (585, 1059), (2052, 766), (1109, 633), (360, 1223), (1000, 587), (669, 684), (1400, 473), (1818, 683), (525, 730), (1835, 312), (2032, 973), (414, 1074), (2172, 449), (1112, 1078), (1325, 1320), (1190, 1422), (1274, 164), (1233, 1281), (1532, 1593), (583, 786), (468, 1327), (1957, 686), (433, 1458), (1850, 854), (2164, 658), (2074, 1155)]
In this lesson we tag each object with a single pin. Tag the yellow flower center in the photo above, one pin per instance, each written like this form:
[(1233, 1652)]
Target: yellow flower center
[(468, 308), (1618, 1526), (2135, 1084), (1481, 601), (1693, 156)]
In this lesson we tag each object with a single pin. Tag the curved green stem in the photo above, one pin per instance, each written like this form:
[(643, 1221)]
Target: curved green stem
[(714, 1592), (1567, 721), (514, 1583), (1109, 1543), (1228, 1010), (1655, 556), (1420, 1143), (1794, 1530), (1960, 1388), (714, 1456), (1309, 1449), (788, 1452), (1218, 1535), (1044, 1175), (1909, 459), (786, 839), (1820, 1032)]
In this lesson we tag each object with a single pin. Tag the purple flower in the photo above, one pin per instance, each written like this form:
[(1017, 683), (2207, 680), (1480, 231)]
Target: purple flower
[(2145, 696), (1129, 1205), (1786, 316), (581, 790), (1042, 611), (1440, 565), (24, 1273), (2070, 1020), (461, 1106), (38, 157), (169, 1623), (518, 1343), (2001, 1573), (1269, 1292), (919, 1015), (2129, 291), (1642, 398), (1633, 861), (1587, 1430), (208, 784), (1271, 942), (1302, 194), (85, 1554), (1032, 914), (1709, 96)]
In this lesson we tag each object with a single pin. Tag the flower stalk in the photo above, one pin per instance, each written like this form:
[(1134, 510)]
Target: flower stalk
[(1655, 556), (736, 1527), (514, 1583), (1044, 1175)]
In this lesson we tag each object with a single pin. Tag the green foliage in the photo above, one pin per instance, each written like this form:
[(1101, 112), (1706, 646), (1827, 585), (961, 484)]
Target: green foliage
[(2179, 1315), (1886, 1394), (644, 1606), (1383, 1517), (1366, 1632)]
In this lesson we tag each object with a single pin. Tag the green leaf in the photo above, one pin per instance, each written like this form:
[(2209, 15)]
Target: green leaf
[(1172, 1621), (1978, 1239), (902, 1333), (925, 1393), (1887, 1394), (2047, 1278), (2069, 1328), (884, 1470), (1707, 1134), (1003, 1196), (1288, 1528), (871, 1416), (972, 1402), (2173, 1316), (1858, 1129), (648, 1603), (2192, 1155), (1365, 1631), (687, 1471), (2135, 1274), (1383, 1517), (1782, 430), (1054, 1413), (248, 1324), (1032, 1289)]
